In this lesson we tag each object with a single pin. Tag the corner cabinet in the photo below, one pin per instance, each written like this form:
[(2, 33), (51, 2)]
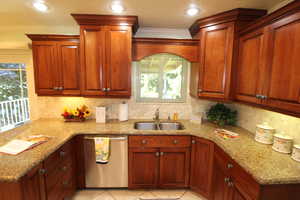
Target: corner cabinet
[(56, 64), (106, 54), (214, 74), (159, 162)]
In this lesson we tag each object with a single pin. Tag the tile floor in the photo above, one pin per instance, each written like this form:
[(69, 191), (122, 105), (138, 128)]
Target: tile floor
[(123, 194)]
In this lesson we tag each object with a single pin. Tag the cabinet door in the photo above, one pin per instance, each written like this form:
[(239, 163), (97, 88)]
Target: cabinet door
[(283, 87), (92, 58), (236, 195), (251, 70), (201, 167), (68, 54), (143, 167), (118, 65), (46, 67), (220, 189), (174, 167), (34, 185), (216, 60)]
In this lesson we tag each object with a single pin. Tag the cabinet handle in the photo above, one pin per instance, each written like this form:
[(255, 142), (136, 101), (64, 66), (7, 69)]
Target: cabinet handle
[(264, 97), (161, 153), (230, 184), (64, 168), (193, 141), (226, 180), (62, 153), (60, 88), (175, 141), (55, 88), (144, 141), (157, 154), (42, 171), (107, 89), (65, 183), (258, 96), (104, 89), (229, 165)]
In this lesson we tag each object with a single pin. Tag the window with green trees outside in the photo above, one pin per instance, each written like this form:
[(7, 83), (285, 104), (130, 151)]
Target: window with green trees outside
[(161, 78)]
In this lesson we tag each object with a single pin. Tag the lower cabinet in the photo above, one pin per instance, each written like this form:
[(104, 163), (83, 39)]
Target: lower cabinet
[(159, 161), (201, 166), (53, 179)]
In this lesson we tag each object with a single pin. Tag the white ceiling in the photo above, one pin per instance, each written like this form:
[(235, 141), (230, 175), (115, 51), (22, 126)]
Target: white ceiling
[(18, 16)]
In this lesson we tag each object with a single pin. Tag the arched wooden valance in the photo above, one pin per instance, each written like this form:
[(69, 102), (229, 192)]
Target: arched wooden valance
[(186, 48)]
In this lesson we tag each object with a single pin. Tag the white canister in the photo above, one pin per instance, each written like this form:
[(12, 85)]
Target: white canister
[(100, 114), (264, 133), (282, 143), (296, 153)]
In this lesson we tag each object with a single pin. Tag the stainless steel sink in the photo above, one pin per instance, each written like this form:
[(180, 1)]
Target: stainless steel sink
[(152, 125)]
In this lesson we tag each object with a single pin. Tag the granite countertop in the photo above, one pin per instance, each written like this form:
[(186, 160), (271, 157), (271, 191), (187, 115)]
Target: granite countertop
[(265, 165)]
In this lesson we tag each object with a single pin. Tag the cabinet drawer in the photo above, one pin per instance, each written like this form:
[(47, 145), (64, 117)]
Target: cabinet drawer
[(159, 141), (63, 154)]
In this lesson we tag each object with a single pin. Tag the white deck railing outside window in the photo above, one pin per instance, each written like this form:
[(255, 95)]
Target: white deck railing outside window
[(13, 113)]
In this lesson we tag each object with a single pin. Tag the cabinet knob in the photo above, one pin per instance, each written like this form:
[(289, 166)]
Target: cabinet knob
[(144, 141), (42, 171), (193, 141), (104, 89), (64, 168), (62, 153), (55, 88), (107, 89), (229, 165), (65, 183), (226, 180), (157, 154), (175, 141), (161, 153), (264, 97), (230, 184)]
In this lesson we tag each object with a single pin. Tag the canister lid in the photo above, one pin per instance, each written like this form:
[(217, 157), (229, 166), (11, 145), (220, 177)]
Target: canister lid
[(265, 125), (285, 137), (297, 146)]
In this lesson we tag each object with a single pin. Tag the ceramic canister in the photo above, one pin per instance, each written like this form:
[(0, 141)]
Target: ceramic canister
[(282, 143), (264, 133), (296, 153)]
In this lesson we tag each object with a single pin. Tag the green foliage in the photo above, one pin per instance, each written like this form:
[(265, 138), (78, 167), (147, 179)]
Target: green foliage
[(222, 115)]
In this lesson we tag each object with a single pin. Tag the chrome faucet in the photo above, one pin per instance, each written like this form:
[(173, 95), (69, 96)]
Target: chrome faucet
[(156, 115)]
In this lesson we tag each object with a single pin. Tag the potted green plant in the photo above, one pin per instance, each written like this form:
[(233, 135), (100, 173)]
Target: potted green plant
[(222, 115)]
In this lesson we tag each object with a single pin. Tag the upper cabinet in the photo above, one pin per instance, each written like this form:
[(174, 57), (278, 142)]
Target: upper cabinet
[(106, 54), (56, 64), (268, 71), (213, 75)]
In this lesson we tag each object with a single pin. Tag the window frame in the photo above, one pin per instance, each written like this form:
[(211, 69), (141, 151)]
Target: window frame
[(184, 83)]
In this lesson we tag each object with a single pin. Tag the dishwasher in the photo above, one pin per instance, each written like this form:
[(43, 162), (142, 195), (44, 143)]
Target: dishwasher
[(113, 174)]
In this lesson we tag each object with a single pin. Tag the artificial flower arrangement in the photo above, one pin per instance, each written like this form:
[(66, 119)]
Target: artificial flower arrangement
[(76, 115)]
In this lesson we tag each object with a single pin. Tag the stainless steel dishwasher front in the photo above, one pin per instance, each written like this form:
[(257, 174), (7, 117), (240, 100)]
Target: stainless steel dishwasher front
[(113, 174)]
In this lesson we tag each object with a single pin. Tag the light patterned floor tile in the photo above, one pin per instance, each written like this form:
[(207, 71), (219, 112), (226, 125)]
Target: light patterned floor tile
[(168, 193), (87, 194), (189, 195), (121, 194)]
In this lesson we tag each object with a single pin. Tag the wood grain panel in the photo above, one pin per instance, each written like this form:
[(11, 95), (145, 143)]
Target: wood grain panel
[(92, 60), (201, 166), (216, 59), (118, 65), (251, 67), (143, 168), (143, 47), (70, 67), (159, 141), (174, 167)]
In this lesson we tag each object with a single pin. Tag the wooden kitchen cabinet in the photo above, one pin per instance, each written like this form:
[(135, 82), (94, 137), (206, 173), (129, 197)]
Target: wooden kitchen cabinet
[(201, 166), (174, 167), (268, 70), (214, 74), (159, 161), (56, 64), (251, 67), (106, 54)]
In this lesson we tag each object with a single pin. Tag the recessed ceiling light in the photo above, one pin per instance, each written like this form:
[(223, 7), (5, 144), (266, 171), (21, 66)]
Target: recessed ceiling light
[(117, 7), (192, 11), (40, 6)]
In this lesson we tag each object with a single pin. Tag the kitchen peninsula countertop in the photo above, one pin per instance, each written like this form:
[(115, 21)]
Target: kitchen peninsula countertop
[(265, 165)]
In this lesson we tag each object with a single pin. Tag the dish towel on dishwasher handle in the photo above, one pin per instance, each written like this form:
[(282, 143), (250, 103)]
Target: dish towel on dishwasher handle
[(102, 149)]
